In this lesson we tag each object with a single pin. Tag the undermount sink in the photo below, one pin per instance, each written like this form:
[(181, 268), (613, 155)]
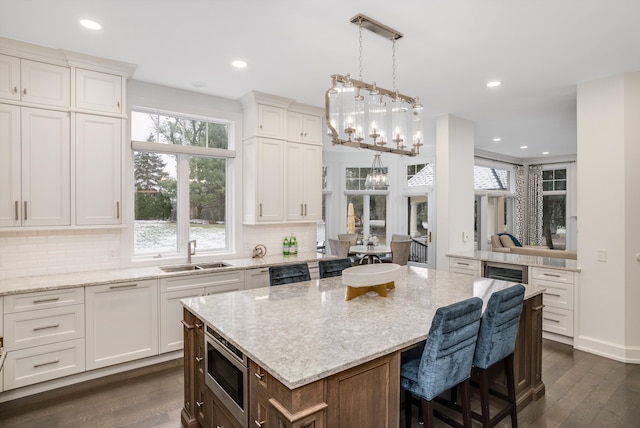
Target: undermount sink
[(192, 267)]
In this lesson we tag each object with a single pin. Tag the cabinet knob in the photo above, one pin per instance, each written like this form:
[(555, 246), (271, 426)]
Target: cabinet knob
[(118, 104), (15, 89), (199, 404), (259, 424), (259, 375), (302, 134), (260, 126), (199, 359), (24, 91)]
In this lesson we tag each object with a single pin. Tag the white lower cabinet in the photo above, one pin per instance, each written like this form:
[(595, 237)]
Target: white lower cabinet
[(558, 312), (256, 278), (464, 266), (43, 336), (41, 363), (121, 322), (176, 288)]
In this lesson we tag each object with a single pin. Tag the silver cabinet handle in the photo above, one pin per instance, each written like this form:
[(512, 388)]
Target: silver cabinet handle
[(48, 363), (259, 375), (551, 275), (115, 287), (305, 209), (25, 210), (17, 215), (259, 424), (199, 359), (550, 319), (46, 327), (118, 209), (552, 294), (301, 210), (260, 210), (51, 299)]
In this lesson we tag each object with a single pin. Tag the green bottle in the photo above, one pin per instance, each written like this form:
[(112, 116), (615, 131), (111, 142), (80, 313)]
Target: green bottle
[(294, 245), (286, 245)]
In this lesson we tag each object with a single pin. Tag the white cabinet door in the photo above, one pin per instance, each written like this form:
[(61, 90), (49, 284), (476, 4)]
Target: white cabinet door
[(304, 182), (270, 180), (46, 84), (256, 278), (304, 128), (10, 77), (100, 92), (98, 170), (45, 168), (10, 166), (121, 322), (171, 331), (270, 121)]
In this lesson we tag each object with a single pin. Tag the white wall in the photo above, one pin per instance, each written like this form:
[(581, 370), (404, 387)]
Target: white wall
[(454, 187), (608, 212)]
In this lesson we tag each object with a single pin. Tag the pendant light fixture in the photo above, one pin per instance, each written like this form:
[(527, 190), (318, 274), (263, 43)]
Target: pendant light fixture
[(364, 115), (377, 177)]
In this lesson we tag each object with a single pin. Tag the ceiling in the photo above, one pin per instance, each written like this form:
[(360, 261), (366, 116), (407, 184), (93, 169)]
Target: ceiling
[(539, 50)]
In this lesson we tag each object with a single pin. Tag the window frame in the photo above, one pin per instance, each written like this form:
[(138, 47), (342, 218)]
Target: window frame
[(183, 155)]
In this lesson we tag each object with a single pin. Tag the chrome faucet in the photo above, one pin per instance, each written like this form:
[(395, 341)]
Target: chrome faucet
[(191, 250)]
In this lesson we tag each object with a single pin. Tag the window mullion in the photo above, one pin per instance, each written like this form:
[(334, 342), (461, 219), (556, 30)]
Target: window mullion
[(183, 217)]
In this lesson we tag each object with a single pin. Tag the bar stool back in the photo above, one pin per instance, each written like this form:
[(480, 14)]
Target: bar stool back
[(445, 362)]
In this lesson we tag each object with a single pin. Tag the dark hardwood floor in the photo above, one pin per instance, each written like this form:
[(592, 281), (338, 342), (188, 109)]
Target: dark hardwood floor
[(582, 390)]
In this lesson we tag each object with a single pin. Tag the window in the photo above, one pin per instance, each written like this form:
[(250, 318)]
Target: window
[(420, 174), (554, 208), (485, 178), (181, 176), (369, 207)]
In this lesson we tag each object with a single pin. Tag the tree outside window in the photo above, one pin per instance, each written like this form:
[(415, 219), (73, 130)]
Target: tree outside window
[(554, 203)]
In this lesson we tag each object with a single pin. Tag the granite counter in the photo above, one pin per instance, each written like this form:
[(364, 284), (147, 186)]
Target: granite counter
[(518, 259)]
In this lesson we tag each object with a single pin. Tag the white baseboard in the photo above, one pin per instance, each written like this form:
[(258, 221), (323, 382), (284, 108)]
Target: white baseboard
[(557, 338), (614, 351)]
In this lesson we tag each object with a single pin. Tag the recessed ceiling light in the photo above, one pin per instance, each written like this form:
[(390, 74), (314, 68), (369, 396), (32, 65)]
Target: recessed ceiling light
[(239, 63), (524, 147), (494, 84), (545, 153), (497, 139), (91, 25)]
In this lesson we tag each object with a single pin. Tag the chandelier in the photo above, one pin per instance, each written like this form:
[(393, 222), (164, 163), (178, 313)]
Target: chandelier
[(364, 115), (377, 177)]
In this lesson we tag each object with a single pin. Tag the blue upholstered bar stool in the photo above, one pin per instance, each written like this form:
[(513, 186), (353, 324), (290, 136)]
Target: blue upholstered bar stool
[(496, 343), (445, 362), (286, 274), (329, 268)]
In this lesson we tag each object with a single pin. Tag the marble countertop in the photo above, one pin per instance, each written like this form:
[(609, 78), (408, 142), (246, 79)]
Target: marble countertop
[(306, 331), (78, 279), (519, 259)]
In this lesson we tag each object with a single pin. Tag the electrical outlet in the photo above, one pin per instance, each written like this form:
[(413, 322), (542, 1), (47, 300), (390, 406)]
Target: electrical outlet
[(602, 255), (465, 236)]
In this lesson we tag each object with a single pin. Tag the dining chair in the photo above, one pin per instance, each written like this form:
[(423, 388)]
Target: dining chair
[(339, 248), (496, 343), (351, 237), (445, 361), (400, 237), (329, 268), (286, 274), (400, 252)]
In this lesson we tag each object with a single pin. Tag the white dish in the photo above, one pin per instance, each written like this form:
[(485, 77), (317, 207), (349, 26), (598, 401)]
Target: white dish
[(369, 275)]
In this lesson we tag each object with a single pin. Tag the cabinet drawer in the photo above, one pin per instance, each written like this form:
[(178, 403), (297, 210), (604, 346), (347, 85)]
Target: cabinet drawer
[(42, 363), (557, 295), (556, 320), (469, 265), (44, 326), (43, 299), (201, 280), (555, 275)]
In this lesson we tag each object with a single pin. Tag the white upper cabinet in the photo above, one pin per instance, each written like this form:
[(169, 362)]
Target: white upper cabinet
[(303, 182), (10, 87), (10, 166), (270, 121), (45, 168), (98, 92), (98, 170), (304, 128)]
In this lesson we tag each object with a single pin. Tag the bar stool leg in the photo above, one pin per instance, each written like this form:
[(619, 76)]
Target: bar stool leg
[(511, 390), (483, 383), (408, 402), (466, 405)]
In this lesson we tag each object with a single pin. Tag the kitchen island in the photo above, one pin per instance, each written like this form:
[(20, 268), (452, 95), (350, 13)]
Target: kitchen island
[(317, 360)]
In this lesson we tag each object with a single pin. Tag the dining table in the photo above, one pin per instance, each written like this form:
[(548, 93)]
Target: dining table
[(372, 253)]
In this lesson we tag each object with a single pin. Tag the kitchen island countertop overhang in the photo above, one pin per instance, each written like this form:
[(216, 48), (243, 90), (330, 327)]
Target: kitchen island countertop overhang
[(304, 332)]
